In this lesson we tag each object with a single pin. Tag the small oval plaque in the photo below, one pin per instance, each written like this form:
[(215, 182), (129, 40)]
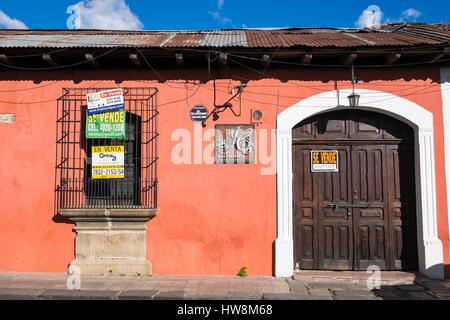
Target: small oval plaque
[(199, 113)]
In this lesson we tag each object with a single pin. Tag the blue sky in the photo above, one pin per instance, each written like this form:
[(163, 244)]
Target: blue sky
[(214, 14)]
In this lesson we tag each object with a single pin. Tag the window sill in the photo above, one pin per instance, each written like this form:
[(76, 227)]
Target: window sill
[(106, 214)]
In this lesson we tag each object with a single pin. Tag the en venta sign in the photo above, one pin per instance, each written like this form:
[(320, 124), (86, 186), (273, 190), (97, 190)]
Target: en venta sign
[(235, 144), (108, 162), (106, 125), (104, 101)]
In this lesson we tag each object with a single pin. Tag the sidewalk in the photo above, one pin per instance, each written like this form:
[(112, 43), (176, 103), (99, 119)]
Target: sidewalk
[(303, 286)]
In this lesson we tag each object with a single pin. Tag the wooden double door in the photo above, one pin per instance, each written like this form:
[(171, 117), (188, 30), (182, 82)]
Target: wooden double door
[(364, 214)]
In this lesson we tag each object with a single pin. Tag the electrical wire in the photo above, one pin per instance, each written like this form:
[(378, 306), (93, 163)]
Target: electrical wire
[(269, 76), (167, 82), (421, 92), (318, 87), (43, 101), (366, 84), (256, 38), (58, 67), (231, 54), (161, 78), (181, 100), (32, 88), (39, 54), (272, 77), (409, 64), (373, 94)]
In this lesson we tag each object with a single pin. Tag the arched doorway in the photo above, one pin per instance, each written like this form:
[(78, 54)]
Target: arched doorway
[(430, 251), (354, 192)]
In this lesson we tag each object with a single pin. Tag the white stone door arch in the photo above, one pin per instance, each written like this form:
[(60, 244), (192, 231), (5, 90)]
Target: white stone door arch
[(429, 245)]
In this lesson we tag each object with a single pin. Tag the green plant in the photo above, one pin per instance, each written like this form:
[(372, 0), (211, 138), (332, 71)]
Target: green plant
[(243, 272)]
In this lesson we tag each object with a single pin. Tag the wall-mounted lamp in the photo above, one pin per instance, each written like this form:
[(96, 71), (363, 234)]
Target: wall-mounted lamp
[(353, 100)]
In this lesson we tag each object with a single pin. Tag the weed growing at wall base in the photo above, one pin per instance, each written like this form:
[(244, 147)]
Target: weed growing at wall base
[(243, 272)]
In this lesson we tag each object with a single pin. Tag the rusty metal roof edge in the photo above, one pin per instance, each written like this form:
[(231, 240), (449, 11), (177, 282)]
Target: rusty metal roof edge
[(106, 31), (222, 38)]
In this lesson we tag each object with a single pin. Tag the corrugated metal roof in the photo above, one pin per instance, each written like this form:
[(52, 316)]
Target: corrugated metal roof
[(225, 38), (391, 35), (81, 40), (396, 39)]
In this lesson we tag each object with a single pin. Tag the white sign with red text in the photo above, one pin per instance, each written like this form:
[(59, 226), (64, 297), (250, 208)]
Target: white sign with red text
[(105, 101)]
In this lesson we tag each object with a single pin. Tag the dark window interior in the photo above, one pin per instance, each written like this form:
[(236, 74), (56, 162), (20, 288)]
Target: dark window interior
[(120, 192), (74, 186)]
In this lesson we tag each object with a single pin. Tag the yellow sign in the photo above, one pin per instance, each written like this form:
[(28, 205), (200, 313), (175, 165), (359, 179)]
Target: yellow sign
[(324, 161), (108, 162)]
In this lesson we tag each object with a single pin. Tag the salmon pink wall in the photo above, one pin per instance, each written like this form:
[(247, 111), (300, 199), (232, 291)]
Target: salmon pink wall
[(213, 219)]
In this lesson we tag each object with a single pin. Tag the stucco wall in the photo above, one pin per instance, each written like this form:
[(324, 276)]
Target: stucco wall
[(213, 219)]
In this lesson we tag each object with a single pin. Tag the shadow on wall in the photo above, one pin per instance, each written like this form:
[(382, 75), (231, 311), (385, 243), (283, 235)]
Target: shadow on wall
[(202, 75)]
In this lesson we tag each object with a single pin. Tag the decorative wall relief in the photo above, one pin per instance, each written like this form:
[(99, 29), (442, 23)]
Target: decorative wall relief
[(235, 144)]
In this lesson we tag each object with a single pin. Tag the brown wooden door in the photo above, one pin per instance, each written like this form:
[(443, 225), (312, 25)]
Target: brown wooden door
[(335, 225), (402, 207), (316, 220), (364, 214), (370, 206)]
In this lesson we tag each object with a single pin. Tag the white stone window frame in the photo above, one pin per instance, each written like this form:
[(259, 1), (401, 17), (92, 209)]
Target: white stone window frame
[(430, 249)]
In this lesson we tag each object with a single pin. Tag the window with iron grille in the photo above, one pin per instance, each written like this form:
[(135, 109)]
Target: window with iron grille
[(75, 187)]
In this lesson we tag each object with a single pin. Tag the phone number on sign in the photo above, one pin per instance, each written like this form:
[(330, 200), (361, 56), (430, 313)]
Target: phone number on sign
[(107, 172), (111, 127)]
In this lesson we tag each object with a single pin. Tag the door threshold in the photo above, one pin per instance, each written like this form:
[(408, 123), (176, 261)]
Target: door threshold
[(400, 277)]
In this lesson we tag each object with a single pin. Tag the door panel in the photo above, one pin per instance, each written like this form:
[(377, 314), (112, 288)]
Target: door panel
[(370, 219), (364, 214), (305, 211), (402, 208), (334, 224), (324, 234)]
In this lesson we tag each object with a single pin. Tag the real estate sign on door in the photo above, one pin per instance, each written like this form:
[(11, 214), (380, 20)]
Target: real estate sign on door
[(107, 125), (108, 162), (324, 161)]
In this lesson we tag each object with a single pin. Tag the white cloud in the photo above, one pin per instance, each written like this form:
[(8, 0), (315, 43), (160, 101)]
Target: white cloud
[(6, 22), (103, 14), (411, 14), (370, 17), (217, 13)]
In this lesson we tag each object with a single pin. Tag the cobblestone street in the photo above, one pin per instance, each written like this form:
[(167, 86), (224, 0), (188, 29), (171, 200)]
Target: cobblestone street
[(303, 286)]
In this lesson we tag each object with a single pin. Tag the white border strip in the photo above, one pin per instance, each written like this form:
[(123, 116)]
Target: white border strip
[(445, 91)]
